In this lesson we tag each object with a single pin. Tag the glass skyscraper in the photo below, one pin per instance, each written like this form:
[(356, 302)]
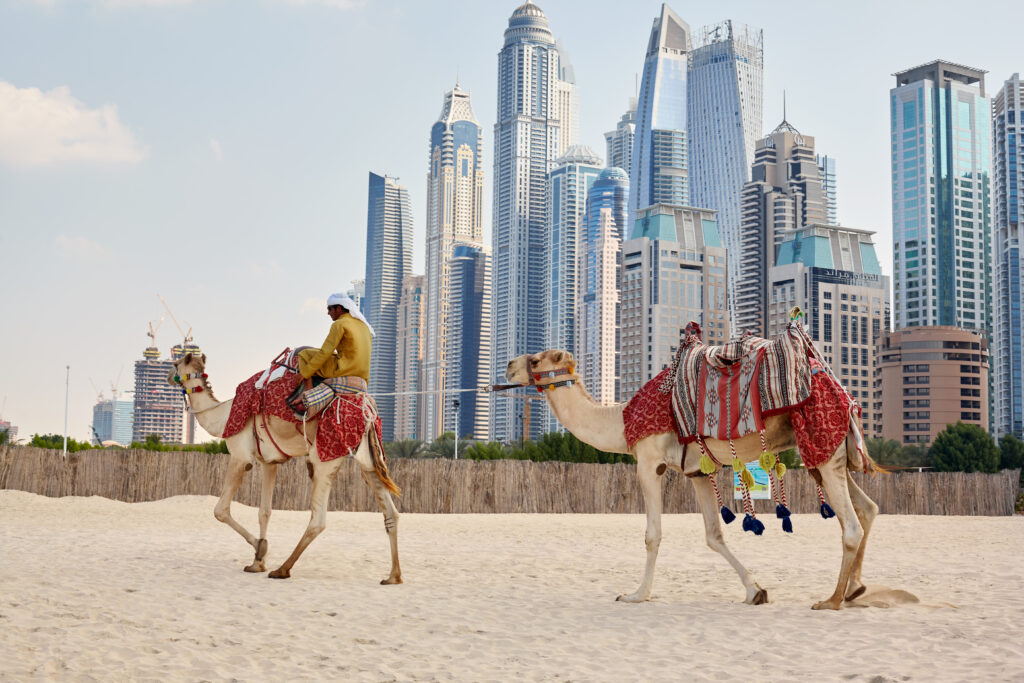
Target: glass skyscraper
[(534, 127), (469, 343), (941, 148), (619, 142), (112, 420), (660, 168), (827, 171), (597, 319), (1008, 337), (455, 193), (725, 120), (388, 263)]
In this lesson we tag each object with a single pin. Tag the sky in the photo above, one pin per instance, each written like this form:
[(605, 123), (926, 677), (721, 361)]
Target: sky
[(215, 152)]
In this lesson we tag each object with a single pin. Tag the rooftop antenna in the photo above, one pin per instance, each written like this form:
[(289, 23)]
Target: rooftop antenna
[(783, 104)]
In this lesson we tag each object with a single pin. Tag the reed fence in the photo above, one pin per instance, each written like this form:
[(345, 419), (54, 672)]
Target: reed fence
[(466, 486)]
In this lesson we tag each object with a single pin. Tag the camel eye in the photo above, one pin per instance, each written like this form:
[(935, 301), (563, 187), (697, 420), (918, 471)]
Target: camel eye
[(534, 362)]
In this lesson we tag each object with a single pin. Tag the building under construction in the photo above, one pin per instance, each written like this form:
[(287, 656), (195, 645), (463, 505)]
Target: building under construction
[(158, 406)]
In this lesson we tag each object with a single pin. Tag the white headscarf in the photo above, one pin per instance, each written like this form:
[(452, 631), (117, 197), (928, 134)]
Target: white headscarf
[(350, 305)]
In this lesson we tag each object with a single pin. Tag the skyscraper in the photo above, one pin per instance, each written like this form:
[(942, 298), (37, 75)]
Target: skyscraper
[(569, 183), (159, 408), (1008, 337), (469, 343), (827, 171), (783, 195), (724, 109), (533, 129), (660, 167), (409, 361), (112, 420), (941, 166), (597, 317), (673, 272), (455, 192), (388, 263), (619, 142)]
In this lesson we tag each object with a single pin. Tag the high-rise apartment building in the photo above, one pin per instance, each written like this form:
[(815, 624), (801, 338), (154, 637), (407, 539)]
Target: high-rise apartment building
[(673, 271), (388, 263), (833, 275), (159, 408), (469, 343), (931, 377), (600, 268), (725, 88), (409, 365), (568, 183), (827, 172), (941, 148), (619, 142), (659, 171), (112, 421), (1007, 248), (784, 194), (535, 126), (357, 292), (455, 193)]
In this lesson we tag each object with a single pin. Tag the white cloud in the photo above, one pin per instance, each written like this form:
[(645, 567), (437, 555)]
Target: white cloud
[(218, 153), (81, 249), (42, 128)]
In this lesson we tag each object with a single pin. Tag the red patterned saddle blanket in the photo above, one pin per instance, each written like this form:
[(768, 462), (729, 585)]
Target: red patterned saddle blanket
[(725, 392)]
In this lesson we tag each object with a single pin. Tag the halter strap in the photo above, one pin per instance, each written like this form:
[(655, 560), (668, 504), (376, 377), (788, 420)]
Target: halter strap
[(535, 377)]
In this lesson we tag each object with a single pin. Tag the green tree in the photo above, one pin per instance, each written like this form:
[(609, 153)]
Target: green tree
[(406, 448), (1011, 454), (964, 448), (5, 436), (884, 451), (486, 451), (56, 441)]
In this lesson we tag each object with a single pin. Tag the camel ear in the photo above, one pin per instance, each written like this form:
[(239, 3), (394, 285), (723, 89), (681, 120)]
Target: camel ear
[(557, 357), (203, 359), (187, 359)]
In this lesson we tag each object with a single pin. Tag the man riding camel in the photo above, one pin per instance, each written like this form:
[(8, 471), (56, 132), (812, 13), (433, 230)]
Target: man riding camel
[(344, 358)]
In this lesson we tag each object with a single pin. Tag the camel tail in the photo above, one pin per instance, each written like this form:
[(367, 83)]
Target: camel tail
[(380, 465), (857, 457)]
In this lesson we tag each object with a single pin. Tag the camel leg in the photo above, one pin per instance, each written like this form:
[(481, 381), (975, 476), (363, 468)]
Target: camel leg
[(713, 532), (834, 481), (323, 477), (222, 511), (269, 471), (647, 461), (387, 506), (867, 510)]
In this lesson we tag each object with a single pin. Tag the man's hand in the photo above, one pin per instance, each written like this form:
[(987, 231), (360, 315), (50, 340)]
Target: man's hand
[(307, 383)]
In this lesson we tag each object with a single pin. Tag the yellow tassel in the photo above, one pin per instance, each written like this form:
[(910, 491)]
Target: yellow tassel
[(706, 465), (767, 460), (780, 469), (737, 465), (748, 478)]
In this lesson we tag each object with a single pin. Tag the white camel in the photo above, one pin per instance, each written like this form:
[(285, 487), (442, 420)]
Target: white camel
[(272, 441), (603, 428)]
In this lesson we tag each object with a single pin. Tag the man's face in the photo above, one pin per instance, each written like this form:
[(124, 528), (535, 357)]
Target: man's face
[(334, 312)]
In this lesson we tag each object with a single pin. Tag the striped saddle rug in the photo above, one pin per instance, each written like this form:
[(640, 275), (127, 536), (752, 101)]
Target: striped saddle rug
[(725, 392)]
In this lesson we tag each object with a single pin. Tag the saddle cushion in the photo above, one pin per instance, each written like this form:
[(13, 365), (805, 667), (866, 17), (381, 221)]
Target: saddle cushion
[(649, 412), (822, 422), (725, 392), (344, 423), (273, 399)]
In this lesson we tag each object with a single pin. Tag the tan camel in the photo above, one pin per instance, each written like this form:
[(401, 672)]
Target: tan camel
[(276, 435), (603, 428)]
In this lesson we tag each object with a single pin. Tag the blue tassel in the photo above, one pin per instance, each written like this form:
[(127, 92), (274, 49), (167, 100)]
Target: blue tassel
[(781, 511), (748, 523), (787, 525), (758, 527), (751, 523), (827, 511), (727, 515)]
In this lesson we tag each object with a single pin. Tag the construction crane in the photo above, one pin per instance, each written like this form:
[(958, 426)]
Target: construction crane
[(152, 330), (187, 335), (99, 394)]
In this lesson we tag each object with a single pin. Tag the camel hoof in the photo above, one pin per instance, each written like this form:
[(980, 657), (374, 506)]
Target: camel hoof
[(279, 573), (391, 581), (856, 593), (256, 567), (634, 598), (828, 604), (760, 598)]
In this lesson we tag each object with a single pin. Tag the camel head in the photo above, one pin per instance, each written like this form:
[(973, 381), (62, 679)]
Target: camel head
[(189, 365), (519, 369)]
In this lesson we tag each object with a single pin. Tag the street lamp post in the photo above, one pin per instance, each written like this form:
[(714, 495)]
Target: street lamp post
[(67, 391), (456, 404)]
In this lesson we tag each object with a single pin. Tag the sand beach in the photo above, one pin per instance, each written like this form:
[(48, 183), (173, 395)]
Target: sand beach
[(94, 589)]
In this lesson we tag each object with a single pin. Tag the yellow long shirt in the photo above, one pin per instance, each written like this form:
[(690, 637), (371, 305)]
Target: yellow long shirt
[(344, 353)]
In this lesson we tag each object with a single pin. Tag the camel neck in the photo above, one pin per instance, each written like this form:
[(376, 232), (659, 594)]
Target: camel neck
[(599, 426), (211, 414)]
